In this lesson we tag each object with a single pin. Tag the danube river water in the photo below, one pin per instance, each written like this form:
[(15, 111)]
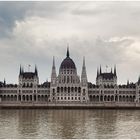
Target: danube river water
[(41, 123)]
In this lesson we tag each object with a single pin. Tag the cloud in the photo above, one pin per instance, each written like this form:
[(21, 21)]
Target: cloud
[(105, 33)]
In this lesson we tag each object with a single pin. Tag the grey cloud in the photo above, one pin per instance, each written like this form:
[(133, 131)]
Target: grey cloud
[(110, 20)]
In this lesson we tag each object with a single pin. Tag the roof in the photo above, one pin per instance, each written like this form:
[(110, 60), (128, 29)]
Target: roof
[(67, 63), (28, 74), (107, 75)]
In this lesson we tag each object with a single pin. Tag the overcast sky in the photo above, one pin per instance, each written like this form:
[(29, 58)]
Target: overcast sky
[(106, 33)]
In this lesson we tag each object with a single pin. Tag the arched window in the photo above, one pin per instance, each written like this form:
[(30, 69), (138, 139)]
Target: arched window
[(112, 98), (71, 89), (53, 90), (79, 89), (15, 98), (58, 89), (27, 97), (23, 97), (75, 89), (68, 89), (90, 97), (116, 98), (105, 98), (30, 97), (34, 97), (67, 79), (19, 97), (64, 79), (101, 98), (61, 89), (65, 89)]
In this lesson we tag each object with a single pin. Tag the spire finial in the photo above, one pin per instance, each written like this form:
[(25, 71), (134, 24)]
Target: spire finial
[(111, 70), (115, 70), (100, 69), (53, 61), (36, 72), (68, 50), (139, 80), (97, 72), (128, 82), (4, 81), (20, 70), (83, 61)]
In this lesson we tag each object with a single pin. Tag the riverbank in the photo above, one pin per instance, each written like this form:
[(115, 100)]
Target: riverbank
[(70, 106)]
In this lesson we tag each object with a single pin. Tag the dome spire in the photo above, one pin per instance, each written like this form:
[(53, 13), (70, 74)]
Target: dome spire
[(68, 51)]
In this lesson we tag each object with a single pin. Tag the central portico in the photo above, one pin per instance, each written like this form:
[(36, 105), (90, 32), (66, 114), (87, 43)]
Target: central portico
[(67, 86)]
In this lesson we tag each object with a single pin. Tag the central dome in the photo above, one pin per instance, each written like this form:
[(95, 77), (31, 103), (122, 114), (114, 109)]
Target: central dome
[(67, 63)]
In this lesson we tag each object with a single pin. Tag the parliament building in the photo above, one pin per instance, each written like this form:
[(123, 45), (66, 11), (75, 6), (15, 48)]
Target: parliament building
[(67, 88)]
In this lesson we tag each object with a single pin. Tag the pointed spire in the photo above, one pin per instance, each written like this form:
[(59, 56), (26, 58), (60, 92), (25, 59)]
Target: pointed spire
[(97, 72), (36, 71), (4, 82), (84, 61), (68, 51), (139, 80), (22, 69), (115, 70), (84, 74), (100, 70), (20, 72), (53, 75), (127, 82), (53, 61)]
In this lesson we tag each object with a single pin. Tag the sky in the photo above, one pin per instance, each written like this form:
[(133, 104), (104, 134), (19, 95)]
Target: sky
[(106, 33)]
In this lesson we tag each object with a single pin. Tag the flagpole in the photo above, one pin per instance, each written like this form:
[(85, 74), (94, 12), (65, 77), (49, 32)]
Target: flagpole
[(29, 67)]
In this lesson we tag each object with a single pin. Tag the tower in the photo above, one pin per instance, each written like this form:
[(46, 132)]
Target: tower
[(53, 74), (84, 83), (84, 74), (53, 86)]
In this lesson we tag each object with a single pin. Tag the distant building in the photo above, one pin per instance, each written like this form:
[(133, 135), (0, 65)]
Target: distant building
[(68, 87)]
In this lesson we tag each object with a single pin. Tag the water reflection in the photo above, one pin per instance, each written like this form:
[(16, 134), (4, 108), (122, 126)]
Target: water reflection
[(69, 123), (28, 123)]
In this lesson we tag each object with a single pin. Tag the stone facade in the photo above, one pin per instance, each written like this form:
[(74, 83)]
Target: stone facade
[(68, 87)]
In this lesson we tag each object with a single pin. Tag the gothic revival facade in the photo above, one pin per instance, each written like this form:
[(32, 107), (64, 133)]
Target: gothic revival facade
[(68, 87)]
